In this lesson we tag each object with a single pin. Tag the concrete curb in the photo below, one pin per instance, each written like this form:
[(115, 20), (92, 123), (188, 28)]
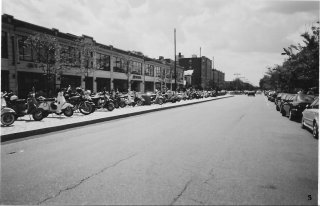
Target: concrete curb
[(19, 135)]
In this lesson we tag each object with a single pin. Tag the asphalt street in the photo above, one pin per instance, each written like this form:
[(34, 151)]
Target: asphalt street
[(231, 151)]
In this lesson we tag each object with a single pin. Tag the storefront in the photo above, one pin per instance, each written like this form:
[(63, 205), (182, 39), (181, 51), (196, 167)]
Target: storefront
[(120, 84), (4, 80), (42, 85), (89, 83), (103, 83), (73, 81), (168, 85), (148, 86), (158, 85), (136, 83)]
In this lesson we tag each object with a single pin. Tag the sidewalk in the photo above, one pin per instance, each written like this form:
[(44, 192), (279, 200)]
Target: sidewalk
[(26, 126)]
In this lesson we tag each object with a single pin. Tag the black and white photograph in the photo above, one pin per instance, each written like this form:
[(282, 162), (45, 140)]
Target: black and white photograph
[(159, 102)]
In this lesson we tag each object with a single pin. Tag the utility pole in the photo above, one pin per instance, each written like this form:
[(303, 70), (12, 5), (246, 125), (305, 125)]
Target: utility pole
[(175, 62), (200, 52)]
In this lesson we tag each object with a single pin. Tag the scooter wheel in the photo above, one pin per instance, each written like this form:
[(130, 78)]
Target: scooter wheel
[(139, 102), (122, 104), (37, 115), (68, 111), (110, 107), (7, 119)]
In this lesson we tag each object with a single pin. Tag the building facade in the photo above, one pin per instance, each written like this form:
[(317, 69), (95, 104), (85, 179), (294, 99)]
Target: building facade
[(87, 64), (202, 71), (218, 79)]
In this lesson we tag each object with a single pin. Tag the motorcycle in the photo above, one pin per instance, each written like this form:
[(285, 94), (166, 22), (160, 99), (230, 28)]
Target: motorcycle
[(23, 107), (118, 101), (102, 100), (7, 114), (57, 106), (79, 102)]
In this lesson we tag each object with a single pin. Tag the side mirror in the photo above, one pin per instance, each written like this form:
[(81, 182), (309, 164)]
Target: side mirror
[(308, 106)]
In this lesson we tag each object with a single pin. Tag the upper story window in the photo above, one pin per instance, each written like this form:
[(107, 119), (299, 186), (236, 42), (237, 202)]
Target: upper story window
[(136, 68), (168, 73), (158, 71), (149, 70), (70, 56), (4, 45), (25, 53), (35, 53), (103, 62), (119, 65)]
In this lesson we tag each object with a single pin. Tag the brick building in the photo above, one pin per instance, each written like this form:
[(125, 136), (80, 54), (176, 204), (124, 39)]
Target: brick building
[(202, 71), (110, 67)]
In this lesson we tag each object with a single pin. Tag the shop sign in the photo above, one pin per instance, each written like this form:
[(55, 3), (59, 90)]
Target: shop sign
[(136, 77)]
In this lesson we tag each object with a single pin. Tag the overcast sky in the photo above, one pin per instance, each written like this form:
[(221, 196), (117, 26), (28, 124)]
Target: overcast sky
[(243, 37)]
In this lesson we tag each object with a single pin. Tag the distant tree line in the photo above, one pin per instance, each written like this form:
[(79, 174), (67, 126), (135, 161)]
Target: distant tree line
[(240, 85), (300, 70)]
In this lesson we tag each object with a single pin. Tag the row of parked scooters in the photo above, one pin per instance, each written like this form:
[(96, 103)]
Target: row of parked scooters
[(68, 101)]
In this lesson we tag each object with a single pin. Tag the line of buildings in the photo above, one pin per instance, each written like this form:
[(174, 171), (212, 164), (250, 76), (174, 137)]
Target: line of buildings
[(114, 68)]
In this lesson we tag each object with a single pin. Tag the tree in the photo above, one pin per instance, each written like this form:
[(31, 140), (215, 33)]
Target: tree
[(86, 49), (301, 68), (45, 52)]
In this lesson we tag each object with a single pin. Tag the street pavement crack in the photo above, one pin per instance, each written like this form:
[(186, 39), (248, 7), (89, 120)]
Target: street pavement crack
[(86, 178), (182, 191)]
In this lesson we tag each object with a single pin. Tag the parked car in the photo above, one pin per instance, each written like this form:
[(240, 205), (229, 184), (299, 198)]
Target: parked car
[(272, 95), (310, 117), (284, 98), (277, 100), (296, 104)]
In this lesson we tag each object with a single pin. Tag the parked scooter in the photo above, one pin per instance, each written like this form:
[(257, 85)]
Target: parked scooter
[(57, 106), (157, 98), (7, 114), (118, 100), (23, 107)]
